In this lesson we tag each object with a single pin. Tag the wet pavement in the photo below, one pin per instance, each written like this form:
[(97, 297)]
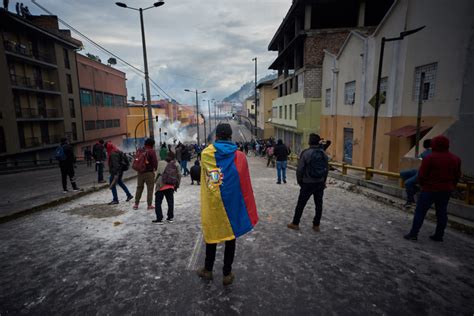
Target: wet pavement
[(89, 258)]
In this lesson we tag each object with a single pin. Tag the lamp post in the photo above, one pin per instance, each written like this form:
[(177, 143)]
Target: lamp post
[(145, 60), (205, 134), (197, 111), (256, 100), (379, 77)]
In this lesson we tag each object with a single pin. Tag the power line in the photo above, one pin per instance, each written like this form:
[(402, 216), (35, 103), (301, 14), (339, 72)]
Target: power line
[(100, 47)]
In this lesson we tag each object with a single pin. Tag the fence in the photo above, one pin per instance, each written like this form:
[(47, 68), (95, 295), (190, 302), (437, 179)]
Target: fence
[(369, 173)]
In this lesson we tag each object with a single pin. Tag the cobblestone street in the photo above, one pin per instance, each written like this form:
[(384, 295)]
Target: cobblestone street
[(89, 258)]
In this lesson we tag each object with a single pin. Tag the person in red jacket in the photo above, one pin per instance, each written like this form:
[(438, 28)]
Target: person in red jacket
[(438, 176)]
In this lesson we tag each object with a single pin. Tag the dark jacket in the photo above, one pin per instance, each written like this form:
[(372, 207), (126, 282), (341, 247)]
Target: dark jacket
[(98, 152), (302, 174), (185, 154), (281, 152), (152, 159), (440, 171), (70, 157), (196, 172), (115, 168)]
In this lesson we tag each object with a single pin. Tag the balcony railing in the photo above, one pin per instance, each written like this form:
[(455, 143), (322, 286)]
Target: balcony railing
[(36, 113), (22, 49), (30, 142), (32, 83)]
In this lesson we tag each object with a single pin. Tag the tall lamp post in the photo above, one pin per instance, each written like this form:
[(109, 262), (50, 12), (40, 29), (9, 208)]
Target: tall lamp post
[(145, 60), (197, 111), (256, 100), (379, 77)]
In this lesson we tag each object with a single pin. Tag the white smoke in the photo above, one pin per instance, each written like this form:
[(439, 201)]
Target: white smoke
[(175, 132)]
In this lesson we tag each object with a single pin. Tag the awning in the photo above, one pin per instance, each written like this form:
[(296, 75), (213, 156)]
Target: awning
[(407, 131)]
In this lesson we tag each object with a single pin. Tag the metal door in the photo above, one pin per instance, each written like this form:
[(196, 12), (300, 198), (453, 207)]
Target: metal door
[(348, 142)]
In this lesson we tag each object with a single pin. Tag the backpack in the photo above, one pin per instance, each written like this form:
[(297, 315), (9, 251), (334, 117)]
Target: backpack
[(141, 161), (318, 165), (170, 175), (60, 154), (124, 162)]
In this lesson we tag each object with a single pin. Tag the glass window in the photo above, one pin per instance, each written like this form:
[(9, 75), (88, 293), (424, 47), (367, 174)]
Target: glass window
[(291, 111), (89, 125), (86, 97), (72, 109), (99, 124), (349, 92), (108, 99), (327, 100), (74, 131), (281, 112), (286, 112), (109, 124), (116, 123), (69, 83), (99, 98), (429, 83), (67, 64)]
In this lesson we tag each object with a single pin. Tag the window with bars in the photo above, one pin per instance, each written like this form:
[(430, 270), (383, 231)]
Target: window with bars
[(99, 98), (109, 124), (327, 100), (72, 109), (349, 92), (429, 82), (99, 124)]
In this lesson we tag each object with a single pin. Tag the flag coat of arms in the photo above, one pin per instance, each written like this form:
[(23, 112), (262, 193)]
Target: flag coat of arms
[(228, 208)]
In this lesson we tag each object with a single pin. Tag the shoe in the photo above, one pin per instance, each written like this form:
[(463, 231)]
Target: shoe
[(228, 279), (284, 181), (410, 237), (129, 198), (76, 189), (408, 204), (150, 207), (135, 206), (203, 273), (169, 220), (65, 191), (192, 183), (157, 222), (113, 203), (436, 238), (278, 182), (316, 228), (293, 226)]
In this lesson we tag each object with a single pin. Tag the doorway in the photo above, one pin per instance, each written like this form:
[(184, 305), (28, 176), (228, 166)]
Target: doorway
[(348, 143)]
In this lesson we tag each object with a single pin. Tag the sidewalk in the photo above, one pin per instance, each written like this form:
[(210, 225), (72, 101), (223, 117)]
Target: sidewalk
[(27, 192)]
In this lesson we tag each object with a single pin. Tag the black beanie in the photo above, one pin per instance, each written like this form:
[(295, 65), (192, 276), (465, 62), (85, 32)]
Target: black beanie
[(224, 131), (314, 139)]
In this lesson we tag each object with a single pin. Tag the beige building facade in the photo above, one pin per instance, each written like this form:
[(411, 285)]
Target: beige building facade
[(266, 95)]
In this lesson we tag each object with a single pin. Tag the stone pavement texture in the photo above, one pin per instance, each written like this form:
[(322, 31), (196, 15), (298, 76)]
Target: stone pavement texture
[(89, 258)]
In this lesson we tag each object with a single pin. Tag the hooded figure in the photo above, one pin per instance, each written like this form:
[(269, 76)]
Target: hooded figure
[(438, 176), (228, 208), (196, 173)]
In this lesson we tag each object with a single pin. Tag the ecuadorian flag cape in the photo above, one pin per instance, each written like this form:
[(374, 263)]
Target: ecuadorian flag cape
[(228, 207)]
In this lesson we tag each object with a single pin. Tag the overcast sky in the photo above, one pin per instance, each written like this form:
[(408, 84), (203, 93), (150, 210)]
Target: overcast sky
[(203, 44)]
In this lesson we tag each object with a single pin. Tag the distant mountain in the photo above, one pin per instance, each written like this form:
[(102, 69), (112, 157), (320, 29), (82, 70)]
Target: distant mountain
[(247, 90)]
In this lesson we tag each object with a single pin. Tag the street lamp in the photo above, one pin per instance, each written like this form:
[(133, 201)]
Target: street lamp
[(197, 111), (379, 77), (256, 101), (145, 61)]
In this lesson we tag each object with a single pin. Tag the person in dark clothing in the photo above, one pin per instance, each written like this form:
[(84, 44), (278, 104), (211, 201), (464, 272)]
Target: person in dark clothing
[(88, 157), (17, 8), (196, 173), (67, 159), (5, 4), (438, 176), (311, 175), (410, 176), (148, 176), (281, 152), (99, 155), (185, 158), (116, 172)]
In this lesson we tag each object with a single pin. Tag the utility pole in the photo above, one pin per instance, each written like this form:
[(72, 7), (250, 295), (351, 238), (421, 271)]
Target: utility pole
[(256, 99), (143, 105), (147, 79), (418, 117)]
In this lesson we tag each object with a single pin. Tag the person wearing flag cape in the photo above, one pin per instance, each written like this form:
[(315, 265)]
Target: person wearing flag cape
[(228, 208)]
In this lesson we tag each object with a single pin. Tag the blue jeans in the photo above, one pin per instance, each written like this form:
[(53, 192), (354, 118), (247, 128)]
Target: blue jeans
[(122, 185), (184, 167), (409, 176), (281, 170), (426, 199)]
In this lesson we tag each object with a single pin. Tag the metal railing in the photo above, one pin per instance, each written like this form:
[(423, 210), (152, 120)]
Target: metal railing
[(37, 113), (369, 173), (32, 83), (22, 49)]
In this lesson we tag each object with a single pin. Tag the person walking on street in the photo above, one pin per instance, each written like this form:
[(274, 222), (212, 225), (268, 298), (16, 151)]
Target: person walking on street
[(178, 151), (168, 179), (270, 157), (99, 155), (410, 176), (65, 155), (281, 152), (185, 158), (147, 163), (163, 152), (228, 208), (118, 163), (438, 176), (311, 174), (88, 157)]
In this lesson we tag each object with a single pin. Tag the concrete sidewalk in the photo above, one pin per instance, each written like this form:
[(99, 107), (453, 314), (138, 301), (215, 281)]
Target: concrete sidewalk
[(26, 192)]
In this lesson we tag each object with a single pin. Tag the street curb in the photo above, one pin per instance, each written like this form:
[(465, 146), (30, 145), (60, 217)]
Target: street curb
[(56, 202)]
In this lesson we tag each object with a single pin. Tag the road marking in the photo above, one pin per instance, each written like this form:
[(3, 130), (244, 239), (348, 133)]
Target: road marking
[(192, 265)]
